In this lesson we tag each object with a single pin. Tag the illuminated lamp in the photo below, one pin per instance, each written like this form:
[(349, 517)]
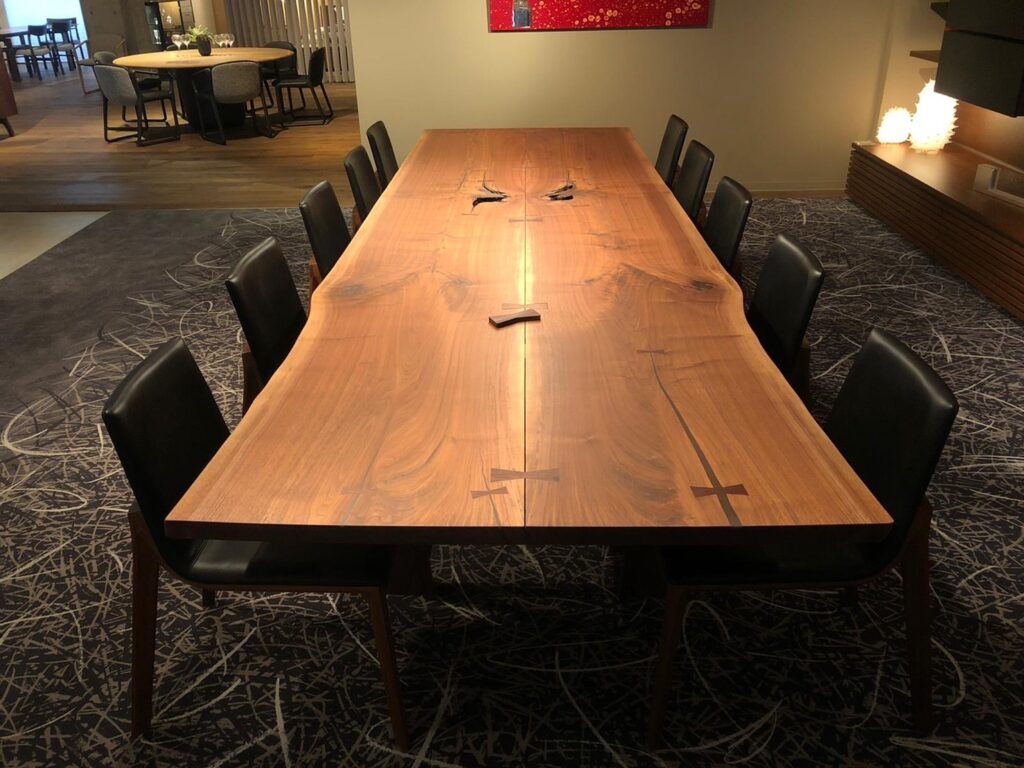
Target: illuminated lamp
[(934, 121), (895, 126)]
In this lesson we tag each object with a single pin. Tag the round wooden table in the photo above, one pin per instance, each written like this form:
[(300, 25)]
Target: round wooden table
[(188, 61)]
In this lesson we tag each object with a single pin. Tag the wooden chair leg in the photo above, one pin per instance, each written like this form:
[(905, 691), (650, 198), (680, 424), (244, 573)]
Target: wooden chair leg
[(209, 598), (916, 597), (314, 277), (145, 582), (800, 377), (251, 381), (671, 630), (377, 600)]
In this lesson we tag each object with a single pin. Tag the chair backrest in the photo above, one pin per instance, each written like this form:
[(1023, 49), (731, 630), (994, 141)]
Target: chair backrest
[(282, 64), (165, 426), (104, 57), (727, 219), (325, 225), (315, 70), (236, 82), (781, 306), (383, 153), (117, 84), (61, 27), (39, 31), (362, 179), (890, 421), (671, 148), (691, 182), (268, 306)]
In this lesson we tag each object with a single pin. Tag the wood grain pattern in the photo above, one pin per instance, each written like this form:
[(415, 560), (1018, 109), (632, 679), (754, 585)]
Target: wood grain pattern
[(192, 59), (641, 408)]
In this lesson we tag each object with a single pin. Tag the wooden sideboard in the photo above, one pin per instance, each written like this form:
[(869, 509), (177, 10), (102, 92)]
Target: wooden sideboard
[(930, 200)]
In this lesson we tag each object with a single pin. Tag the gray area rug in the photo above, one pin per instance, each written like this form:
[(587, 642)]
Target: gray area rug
[(527, 656)]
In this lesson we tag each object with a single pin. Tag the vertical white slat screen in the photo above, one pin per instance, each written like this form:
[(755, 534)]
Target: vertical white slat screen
[(306, 24)]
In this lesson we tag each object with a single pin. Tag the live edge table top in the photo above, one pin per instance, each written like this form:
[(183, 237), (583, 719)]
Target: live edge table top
[(639, 409)]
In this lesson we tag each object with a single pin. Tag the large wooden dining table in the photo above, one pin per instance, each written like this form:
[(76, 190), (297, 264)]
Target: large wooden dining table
[(639, 409)]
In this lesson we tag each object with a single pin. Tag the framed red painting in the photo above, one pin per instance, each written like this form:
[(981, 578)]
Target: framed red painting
[(547, 15)]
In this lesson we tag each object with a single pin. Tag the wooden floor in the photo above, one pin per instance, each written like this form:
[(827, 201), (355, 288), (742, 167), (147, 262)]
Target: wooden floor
[(58, 160)]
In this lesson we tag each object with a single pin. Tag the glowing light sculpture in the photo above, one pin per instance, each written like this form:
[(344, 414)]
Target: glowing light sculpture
[(895, 126), (934, 121)]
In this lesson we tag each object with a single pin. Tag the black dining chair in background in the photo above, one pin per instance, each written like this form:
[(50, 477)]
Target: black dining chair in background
[(671, 148), (383, 153), (38, 54), (890, 421), (311, 81), (166, 426), (726, 222), (781, 308), (275, 70), (234, 82), (270, 312), (119, 88), (691, 181), (363, 180), (65, 41), (327, 231)]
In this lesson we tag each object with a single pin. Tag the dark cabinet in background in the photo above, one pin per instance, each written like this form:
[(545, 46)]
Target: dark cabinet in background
[(982, 56), (164, 19)]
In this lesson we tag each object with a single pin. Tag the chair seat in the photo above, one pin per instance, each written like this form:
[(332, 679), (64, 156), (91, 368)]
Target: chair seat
[(34, 50), (803, 563), (149, 94), (247, 563), (276, 73), (150, 83), (299, 81)]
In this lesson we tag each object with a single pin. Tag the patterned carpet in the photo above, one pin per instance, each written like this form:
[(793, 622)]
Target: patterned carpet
[(526, 656)]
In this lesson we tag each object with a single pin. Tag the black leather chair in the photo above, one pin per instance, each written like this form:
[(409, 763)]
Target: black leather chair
[(326, 228), (691, 182), (383, 153), (890, 421), (282, 68), (269, 310), (781, 307), (671, 148), (727, 219), (311, 81), (165, 426), (363, 180)]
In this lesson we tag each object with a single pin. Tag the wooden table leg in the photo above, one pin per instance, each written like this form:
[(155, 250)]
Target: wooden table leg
[(12, 61)]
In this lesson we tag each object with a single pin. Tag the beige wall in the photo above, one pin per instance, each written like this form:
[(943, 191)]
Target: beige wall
[(777, 88), (915, 27)]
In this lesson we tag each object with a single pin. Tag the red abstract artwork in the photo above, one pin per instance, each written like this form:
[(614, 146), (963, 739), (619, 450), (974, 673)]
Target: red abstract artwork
[(533, 15)]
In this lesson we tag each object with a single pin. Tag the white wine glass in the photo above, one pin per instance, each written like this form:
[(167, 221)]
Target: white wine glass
[(176, 40), (230, 39)]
